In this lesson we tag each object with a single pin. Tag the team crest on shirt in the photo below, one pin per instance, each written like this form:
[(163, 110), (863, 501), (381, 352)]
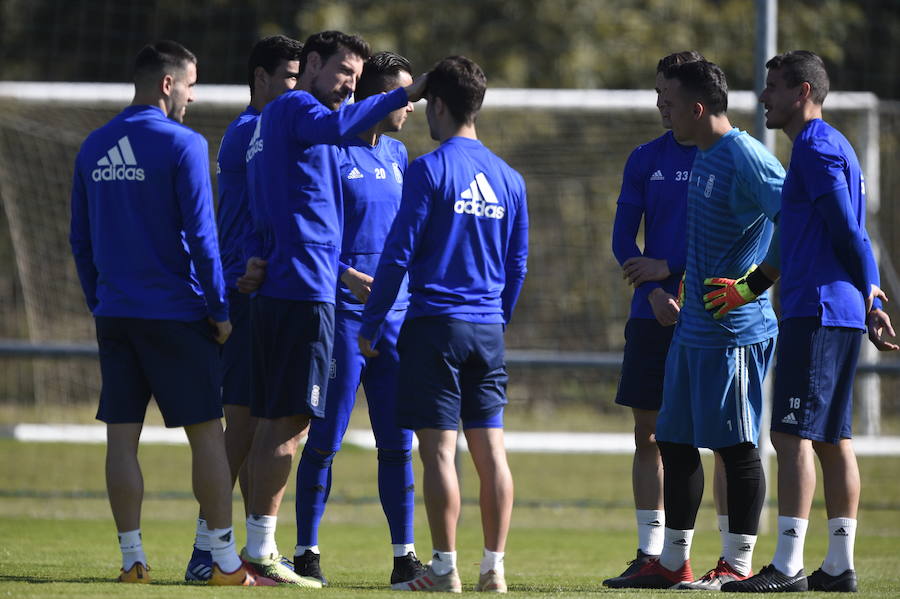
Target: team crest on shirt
[(398, 174)]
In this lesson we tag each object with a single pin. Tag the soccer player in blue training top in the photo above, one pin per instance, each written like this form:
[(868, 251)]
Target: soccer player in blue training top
[(144, 239), (462, 235), (371, 170), (717, 361), (654, 188), (294, 181), (829, 294), (273, 68)]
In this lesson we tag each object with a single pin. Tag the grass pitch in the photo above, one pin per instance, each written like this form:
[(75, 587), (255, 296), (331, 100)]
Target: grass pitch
[(572, 526)]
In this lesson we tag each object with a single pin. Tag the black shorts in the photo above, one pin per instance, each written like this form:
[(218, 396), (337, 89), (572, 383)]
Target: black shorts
[(292, 343), (176, 362), (236, 361), (644, 364)]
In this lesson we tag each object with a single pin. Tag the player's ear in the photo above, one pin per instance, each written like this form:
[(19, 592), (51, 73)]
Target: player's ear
[(166, 83), (805, 91), (698, 110), (259, 75), (313, 62)]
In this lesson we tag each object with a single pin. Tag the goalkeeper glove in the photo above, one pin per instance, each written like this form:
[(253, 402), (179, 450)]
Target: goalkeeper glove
[(734, 293)]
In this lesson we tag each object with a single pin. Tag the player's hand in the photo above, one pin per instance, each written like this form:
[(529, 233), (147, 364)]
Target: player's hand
[(873, 293), (416, 91), (641, 269), (365, 346), (732, 293), (253, 277), (223, 330), (359, 283), (665, 306), (878, 324), (681, 291)]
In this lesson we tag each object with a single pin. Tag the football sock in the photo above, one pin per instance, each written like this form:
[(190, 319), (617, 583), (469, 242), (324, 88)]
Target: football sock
[(492, 560), (260, 536), (789, 550), (722, 521), (132, 548), (682, 484), (650, 524), (401, 549), (221, 544), (738, 552), (313, 487), (443, 562), (396, 489), (841, 538), (301, 549), (676, 548), (201, 537), (746, 487)]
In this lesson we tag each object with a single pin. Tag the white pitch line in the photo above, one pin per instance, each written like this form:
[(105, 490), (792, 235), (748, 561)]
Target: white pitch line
[(534, 442)]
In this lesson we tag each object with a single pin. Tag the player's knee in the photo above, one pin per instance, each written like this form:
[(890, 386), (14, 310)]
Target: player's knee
[(644, 439), (319, 457), (394, 456), (679, 457), (740, 459)]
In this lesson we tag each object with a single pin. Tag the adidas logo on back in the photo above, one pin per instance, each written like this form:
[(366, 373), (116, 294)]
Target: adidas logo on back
[(479, 200), (657, 176), (119, 164)]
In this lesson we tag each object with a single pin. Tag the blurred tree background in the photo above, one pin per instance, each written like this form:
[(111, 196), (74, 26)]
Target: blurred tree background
[(611, 44)]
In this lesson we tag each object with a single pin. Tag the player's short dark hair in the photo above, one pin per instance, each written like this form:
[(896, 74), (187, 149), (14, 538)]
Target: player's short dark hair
[(704, 81), (460, 84), (268, 54), (160, 58), (378, 72), (802, 65), (677, 58), (327, 43)]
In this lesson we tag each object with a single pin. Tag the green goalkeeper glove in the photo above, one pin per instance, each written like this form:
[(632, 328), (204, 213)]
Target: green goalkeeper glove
[(734, 293)]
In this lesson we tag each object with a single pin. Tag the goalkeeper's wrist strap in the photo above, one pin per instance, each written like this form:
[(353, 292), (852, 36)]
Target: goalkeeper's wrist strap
[(757, 282)]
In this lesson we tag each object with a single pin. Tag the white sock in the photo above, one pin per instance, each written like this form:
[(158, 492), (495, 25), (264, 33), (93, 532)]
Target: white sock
[(301, 549), (201, 537), (442, 562), (676, 548), (650, 525), (722, 520), (738, 551), (401, 549), (789, 550), (132, 548), (261, 535), (221, 545), (841, 538), (492, 560)]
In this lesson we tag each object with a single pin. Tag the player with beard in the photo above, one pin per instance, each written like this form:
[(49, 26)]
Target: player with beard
[(294, 181)]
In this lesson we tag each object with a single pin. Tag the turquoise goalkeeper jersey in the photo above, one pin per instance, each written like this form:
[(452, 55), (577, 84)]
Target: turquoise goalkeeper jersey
[(734, 197)]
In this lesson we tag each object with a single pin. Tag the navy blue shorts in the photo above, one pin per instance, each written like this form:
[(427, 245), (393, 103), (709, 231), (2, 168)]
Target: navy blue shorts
[(644, 364), (236, 362), (292, 342), (175, 362), (813, 395), (450, 370)]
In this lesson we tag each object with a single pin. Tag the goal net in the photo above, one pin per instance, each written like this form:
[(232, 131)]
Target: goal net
[(570, 145)]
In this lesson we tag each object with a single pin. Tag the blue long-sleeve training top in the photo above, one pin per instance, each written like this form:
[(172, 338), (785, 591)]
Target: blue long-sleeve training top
[(295, 189), (233, 217), (461, 233), (372, 182), (143, 231)]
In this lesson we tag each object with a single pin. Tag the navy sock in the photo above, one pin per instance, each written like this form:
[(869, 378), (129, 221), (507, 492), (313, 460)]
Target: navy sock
[(396, 489), (313, 487)]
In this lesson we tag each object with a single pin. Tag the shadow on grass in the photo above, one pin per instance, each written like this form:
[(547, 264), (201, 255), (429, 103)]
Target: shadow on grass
[(92, 580)]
